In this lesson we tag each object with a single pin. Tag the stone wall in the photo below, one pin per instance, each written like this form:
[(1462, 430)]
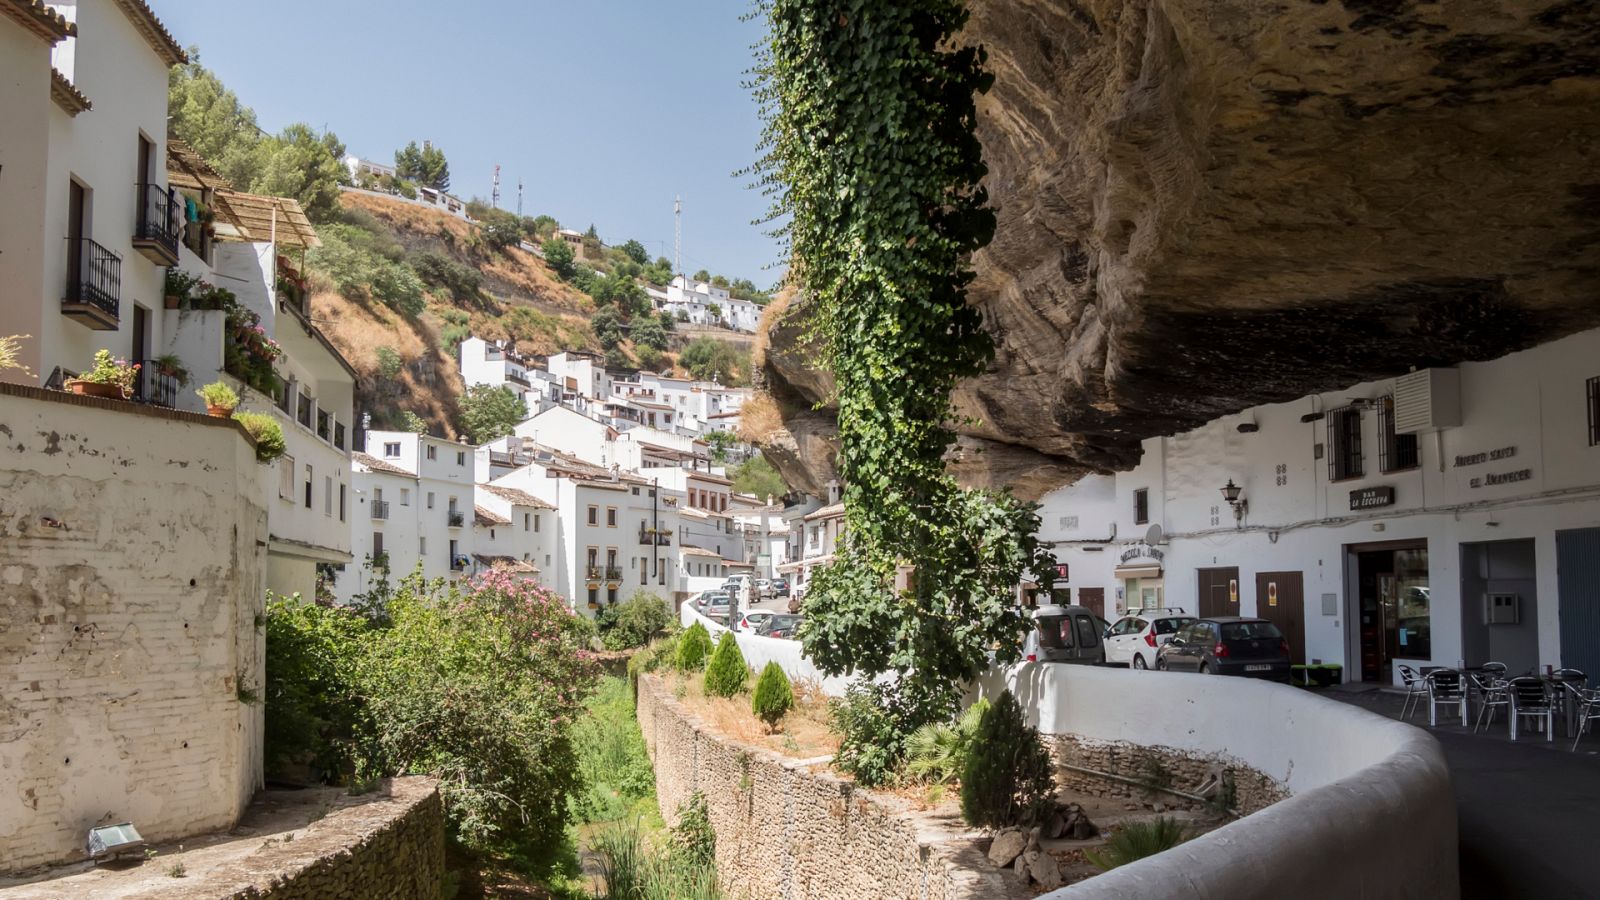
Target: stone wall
[(1157, 767), (132, 547), (794, 831)]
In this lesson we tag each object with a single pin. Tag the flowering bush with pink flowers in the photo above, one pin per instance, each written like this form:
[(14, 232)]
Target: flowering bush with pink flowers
[(477, 684)]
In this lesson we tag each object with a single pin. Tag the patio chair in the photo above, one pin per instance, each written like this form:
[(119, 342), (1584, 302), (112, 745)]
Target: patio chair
[(1494, 691), (1588, 710), (1446, 688), (1416, 689), (1530, 699), (1498, 668)]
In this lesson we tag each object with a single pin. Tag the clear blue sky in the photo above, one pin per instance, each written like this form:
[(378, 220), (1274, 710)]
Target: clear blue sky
[(605, 109)]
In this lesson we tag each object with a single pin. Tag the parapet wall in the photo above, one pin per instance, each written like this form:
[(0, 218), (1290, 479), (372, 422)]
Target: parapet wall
[(132, 553), (792, 831)]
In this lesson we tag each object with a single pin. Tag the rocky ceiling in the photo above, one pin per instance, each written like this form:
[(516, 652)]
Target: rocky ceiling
[(1209, 204)]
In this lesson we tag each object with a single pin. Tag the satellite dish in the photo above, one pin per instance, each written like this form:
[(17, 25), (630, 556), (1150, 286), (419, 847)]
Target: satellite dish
[(1154, 535)]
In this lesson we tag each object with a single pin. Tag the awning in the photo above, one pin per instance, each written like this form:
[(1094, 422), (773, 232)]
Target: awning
[(1137, 572)]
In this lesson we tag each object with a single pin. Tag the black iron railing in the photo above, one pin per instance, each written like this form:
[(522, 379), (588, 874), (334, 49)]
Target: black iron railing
[(456, 519), (159, 218), (97, 278), (380, 509), (656, 540), (155, 387), (338, 435), (613, 573)]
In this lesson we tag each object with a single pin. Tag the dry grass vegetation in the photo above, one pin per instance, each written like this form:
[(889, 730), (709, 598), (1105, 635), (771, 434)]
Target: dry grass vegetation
[(803, 734), (759, 418), (769, 319)]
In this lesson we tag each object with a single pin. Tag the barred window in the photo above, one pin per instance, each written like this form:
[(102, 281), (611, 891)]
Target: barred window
[(1594, 411), (1141, 506), (1398, 452), (1344, 444)]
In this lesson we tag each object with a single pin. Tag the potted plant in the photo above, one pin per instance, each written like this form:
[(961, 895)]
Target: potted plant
[(178, 285), (110, 378), (267, 432), (171, 366), (220, 399)]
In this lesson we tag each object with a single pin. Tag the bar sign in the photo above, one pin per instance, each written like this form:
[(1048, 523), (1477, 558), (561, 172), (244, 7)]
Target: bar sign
[(1372, 497)]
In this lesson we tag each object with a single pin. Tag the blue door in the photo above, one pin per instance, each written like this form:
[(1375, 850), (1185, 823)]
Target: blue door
[(1578, 586)]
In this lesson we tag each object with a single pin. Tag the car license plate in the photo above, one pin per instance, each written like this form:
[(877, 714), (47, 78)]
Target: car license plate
[(1257, 668)]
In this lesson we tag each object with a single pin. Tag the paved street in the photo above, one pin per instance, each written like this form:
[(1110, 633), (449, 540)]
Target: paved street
[(1527, 810)]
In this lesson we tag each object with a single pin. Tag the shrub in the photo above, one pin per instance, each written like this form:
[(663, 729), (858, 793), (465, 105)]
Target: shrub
[(218, 394), (1008, 776), (559, 257), (267, 433), (634, 621), (441, 272), (938, 751), (389, 363), (872, 721), (693, 839), (1135, 841), (311, 702), (693, 648), (611, 756), (773, 696), (726, 673)]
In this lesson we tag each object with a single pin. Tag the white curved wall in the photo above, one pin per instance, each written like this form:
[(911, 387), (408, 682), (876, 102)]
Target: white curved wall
[(758, 651), (1371, 813)]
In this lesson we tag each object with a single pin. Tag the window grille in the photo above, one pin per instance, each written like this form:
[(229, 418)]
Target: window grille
[(1141, 506), (1344, 444), (1594, 411), (1398, 452)]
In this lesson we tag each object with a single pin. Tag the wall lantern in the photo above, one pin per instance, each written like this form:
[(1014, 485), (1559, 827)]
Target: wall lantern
[(1231, 493)]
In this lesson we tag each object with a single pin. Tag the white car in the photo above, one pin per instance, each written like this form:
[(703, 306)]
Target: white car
[(1133, 639)]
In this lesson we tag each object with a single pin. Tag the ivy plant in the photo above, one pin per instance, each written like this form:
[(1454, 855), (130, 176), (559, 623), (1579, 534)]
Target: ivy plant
[(871, 155)]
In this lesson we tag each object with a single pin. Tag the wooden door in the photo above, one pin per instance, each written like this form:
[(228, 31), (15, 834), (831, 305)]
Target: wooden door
[(1093, 599), (1218, 592), (1280, 599), (76, 225)]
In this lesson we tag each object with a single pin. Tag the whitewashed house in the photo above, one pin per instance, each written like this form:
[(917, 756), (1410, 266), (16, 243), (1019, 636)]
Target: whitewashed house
[(702, 303)]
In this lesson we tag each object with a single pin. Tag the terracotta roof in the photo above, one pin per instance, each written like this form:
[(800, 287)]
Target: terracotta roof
[(487, 517), (510, 563), (66, 95), (257, 214), (518, 498), (187, 168), (827, 512), (38, 18), (161, 40), (707, 476), (698, 551), (378, 465)]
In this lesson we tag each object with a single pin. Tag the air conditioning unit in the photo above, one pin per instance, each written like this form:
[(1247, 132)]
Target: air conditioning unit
[(1427, 400)]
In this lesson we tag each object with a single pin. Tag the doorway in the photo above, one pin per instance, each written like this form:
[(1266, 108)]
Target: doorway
[(1093, 599), (1499, 606), (1218, 592), (1390, 605), (1578, 587), (1280, 599)]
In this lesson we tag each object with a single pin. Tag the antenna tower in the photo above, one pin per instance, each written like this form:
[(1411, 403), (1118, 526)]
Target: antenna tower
[(519, 198), (494, 195), (677, 235)]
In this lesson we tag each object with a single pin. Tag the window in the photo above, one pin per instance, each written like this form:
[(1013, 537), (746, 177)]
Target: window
[(286, 478), (1088, 632), (433, 452), (636, 492), (594, 515), (310, 479), (391, 450), (1594, 411), (405, 496), (611, 595), (341, 503), (1141, 506), (535, 522), (377, 544), (327, 495), (454, 547), (461, 457), (1398, 452), (1344, 444), (527, 521), (430, 499), (422, 545), (611, 517), (594, 596), (594, 553)]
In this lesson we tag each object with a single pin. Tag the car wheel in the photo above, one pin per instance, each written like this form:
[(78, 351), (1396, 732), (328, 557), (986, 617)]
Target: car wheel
[(1138, 661), (1161, 665), (1205, 669)]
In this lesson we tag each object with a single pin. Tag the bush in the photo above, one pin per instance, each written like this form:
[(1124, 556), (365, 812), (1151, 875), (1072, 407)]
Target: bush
[(219, 394), (633, 622), (726, 673), (1135, 841), (441, 272), (559, 257), (389, 363), (872, 721), (1008, 777), (631, 869), (773, 696), (693, 839), (267, 433), (311, 705), (938, 751), (693, 648), (611, 756), (362, 262)]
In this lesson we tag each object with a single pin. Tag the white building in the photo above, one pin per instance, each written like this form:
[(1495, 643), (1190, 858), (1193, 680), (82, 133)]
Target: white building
[(1449, 515), (494, 364), (702, 303)]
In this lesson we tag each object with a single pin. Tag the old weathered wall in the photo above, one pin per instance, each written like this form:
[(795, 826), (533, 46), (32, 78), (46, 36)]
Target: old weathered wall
[(793, 831), (132, 546)]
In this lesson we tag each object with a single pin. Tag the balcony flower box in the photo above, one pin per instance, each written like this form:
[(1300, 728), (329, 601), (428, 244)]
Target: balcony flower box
[(110, 378)]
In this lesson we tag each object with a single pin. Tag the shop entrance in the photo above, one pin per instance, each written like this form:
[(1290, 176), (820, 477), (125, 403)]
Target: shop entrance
[(1280, 599), (1218, 591), (1389, 603)]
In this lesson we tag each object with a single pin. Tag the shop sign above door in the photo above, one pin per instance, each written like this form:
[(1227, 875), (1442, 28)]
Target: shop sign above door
[(1372, 497), (1142, 550)]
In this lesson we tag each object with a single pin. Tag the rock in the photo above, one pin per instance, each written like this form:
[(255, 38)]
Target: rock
[(1033, 837), (1057, 825), (1028, 856), (1020, 869), (1193, 194), (1158, 806), (1046, 871), (1083, 829), (1007, 846)]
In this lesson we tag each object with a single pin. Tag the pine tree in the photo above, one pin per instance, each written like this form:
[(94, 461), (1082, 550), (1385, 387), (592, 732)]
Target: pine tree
[(726, 673), (1008, 777), (773, 695), (693, 648)]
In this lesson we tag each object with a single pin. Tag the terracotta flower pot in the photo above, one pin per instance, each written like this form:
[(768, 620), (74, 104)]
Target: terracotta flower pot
[(172, 301), (221, 412), (96, 389)]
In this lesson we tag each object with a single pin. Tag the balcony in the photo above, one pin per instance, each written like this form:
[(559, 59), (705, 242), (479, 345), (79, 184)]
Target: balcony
[(154, 388), (592, 573), (155, 232), (614, 574), (516, 378), (94, 285), (455, 518), (380, 509), (647, 539)]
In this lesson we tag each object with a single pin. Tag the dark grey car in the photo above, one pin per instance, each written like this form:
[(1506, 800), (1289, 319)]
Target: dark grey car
[(1228, 645)]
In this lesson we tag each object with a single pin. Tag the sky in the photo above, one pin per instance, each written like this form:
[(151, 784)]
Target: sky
[(605, 109)]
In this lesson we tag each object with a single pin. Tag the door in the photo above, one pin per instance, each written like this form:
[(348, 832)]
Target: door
[(1093, 599), (1218, 592), (1578, 590), (76, 226), (1280, 599)]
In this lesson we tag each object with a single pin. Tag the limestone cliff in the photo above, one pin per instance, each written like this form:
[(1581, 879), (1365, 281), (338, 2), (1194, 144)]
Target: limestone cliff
[(1209, 204)]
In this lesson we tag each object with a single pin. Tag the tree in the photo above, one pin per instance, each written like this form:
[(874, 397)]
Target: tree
[(425, 166), (500, 228), (634, 621), (647, 332), (559, 257), (591, 233), (1008, 776), (720, 441), (726, 673), (757, 477), (635, 251), (607, 327), (489, 413), (702, 275), (720, 281), (709, 359), (773, 695)]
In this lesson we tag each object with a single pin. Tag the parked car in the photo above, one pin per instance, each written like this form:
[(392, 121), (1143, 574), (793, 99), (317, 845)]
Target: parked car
[(780, 625), (1135, 638), (1228, 645), (1066, 634), (763, 588), (714, 605), (753, 619), (780, 587)]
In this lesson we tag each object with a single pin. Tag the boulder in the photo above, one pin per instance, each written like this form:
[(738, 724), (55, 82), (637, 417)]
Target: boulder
[(1007, 846), (1046, 871)]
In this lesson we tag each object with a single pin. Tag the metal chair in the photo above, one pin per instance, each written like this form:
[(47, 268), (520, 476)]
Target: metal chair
[(1530, 698), (1493, 690), (1445, 688), (1416, 689), (1588, 710), (1498, 668)]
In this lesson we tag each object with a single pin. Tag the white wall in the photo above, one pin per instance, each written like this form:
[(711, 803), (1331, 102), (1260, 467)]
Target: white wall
[(24, 151)]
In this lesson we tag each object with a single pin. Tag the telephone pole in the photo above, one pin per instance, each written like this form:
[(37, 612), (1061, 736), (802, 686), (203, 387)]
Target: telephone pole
[(677, 235), (494, 195), (519, 197)]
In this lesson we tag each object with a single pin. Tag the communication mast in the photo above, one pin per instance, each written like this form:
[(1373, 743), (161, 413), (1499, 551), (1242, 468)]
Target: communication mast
[(494, 195), (677, 235), (519, 197)]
